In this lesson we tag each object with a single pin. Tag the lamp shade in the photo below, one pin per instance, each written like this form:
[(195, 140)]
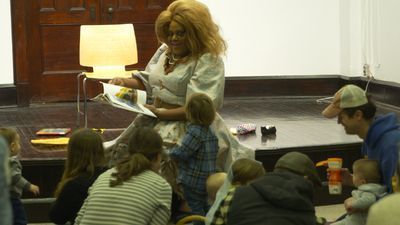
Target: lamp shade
[(103, 46)]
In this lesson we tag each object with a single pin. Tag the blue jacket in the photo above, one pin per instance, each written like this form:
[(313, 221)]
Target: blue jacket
[(382, 144)]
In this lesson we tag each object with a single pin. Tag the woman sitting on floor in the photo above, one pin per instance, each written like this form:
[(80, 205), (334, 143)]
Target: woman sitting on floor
[(132, 192), (85, 162)]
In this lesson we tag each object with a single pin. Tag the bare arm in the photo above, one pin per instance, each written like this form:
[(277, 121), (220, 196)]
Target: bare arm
[(132, 82), (168, 114)]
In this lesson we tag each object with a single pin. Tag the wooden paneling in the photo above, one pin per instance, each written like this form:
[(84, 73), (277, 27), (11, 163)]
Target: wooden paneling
[(46, 41), (128, 11), (282, 86), (20, 45), (60, 58)]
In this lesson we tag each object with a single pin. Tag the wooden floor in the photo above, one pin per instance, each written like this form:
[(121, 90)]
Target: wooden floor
[(298, 121)]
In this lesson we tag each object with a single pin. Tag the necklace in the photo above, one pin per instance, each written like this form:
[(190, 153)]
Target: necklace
[(172, 60)]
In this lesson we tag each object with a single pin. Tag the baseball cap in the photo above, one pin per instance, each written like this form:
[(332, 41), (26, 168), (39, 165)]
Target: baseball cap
[(348, 96), (299, 163)]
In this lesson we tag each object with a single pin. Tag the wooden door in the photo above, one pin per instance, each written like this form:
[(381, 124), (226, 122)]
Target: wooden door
[(52, 41)]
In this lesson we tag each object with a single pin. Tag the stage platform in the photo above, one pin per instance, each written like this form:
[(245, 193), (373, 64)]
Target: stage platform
[(299, 123)]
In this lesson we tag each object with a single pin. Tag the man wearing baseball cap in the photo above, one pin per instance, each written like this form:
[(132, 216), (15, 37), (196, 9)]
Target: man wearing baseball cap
[(356, 113), (284, 196)]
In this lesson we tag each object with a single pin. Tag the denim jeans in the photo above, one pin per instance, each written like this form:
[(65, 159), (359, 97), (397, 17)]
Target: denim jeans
[(18, 212), (197, 202)]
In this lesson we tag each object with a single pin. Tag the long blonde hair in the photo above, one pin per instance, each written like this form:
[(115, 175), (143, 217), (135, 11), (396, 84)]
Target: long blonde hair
[(85, 153), (144, 146), (202, 33)]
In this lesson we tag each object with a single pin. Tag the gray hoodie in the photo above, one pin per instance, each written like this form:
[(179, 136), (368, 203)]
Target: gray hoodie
[(364, 197)]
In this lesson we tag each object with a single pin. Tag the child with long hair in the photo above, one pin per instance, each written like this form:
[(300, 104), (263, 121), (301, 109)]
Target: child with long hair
[(132, 192), (18, 182), (85, 162)]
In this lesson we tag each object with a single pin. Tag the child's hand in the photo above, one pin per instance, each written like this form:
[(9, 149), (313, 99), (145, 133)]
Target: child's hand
[(347, 177), (348, 205), (34, 189)]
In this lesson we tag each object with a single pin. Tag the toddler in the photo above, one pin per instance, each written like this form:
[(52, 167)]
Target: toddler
[(367, 179), (18, 182), (198, 152)]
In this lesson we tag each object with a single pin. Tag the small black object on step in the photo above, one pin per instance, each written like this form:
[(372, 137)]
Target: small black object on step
[(266, 130)]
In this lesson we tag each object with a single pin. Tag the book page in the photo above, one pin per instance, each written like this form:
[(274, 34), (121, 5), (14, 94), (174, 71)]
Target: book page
[(126, 98)]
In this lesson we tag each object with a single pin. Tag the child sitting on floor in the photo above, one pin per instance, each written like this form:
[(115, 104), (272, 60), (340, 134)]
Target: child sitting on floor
[(367, 178), (18, 182), (85, 162), (197, 154)]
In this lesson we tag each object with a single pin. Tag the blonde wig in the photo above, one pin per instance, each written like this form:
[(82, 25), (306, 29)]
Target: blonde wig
[(201, 31)]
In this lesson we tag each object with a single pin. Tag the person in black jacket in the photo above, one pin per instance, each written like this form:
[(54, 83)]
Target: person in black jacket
[(284, 196), (85, 162)]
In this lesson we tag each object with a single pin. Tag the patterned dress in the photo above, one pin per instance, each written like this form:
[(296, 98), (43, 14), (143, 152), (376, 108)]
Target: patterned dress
[(206, 75)]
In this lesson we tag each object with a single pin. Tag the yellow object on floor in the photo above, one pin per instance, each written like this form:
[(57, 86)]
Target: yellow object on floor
[(50, 141)]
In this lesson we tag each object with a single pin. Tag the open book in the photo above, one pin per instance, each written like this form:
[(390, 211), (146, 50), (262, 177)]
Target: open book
[(124, 98)]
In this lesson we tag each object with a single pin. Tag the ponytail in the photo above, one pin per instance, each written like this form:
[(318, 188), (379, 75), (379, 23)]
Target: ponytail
[(144, 146), (132, 166)]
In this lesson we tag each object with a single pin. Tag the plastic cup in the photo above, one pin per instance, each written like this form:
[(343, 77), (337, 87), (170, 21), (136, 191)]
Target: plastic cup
[(335, 188), (334, 183)]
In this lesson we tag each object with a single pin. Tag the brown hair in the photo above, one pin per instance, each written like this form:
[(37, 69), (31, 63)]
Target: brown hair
[(9, 134), (85, 153), (145, 144), (246, 170), (200, 109), (368, 169), (202, 33), (368, 109)]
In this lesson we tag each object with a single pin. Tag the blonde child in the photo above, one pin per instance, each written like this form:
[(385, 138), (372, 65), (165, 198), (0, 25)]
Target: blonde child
[(18, 182), (197, 154), (367, 179), (243, 171), (214, 182)]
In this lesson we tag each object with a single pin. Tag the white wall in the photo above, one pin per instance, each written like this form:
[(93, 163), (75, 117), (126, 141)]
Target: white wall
[(388, 40), (310, 37), (350, 35), (279, 37), (6, 61)]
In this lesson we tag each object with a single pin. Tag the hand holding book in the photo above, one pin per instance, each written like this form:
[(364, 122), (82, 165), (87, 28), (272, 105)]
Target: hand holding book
[(124, 98)]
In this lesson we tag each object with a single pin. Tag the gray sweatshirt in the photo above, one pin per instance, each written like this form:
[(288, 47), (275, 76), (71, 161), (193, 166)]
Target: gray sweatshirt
[(18, 182)]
